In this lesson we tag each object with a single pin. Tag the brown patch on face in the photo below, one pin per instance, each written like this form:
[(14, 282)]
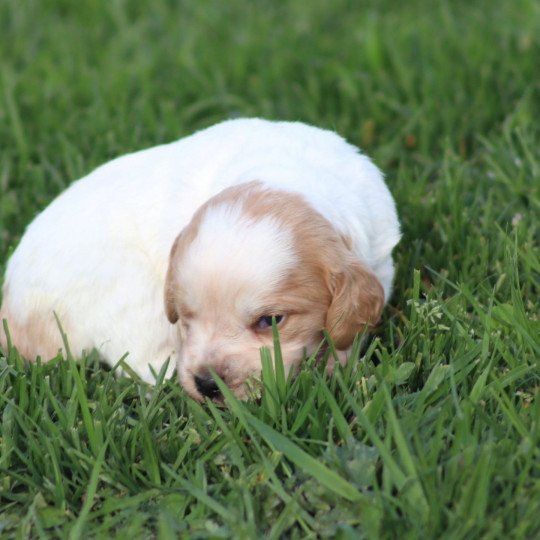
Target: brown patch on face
[(328, 275), (328, 287)]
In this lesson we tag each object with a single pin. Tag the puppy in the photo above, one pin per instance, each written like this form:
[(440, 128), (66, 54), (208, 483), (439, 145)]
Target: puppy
[(189, 249)]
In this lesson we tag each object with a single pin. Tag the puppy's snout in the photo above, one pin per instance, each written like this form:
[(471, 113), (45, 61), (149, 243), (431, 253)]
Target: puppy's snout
[(206, 386)]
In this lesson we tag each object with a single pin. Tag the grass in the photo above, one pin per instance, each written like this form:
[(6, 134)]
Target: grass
[(435, 432)]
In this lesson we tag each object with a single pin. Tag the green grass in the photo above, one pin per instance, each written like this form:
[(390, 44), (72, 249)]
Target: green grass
[(435, 433)]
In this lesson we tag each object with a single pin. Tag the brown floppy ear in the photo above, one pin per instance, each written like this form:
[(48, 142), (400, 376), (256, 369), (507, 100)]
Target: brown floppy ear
[(170, 308), (357, 301)]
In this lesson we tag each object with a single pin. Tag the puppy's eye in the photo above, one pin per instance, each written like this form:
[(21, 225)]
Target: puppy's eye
[(266, 321)]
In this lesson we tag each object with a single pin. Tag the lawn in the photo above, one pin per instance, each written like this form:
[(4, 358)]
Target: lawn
[(434, 432)]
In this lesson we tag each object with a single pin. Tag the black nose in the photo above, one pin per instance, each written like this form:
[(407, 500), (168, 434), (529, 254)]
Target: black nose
[(207, 386)]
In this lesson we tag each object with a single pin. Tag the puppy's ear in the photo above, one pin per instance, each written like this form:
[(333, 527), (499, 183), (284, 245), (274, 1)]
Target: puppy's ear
[(170, 308), (357, 301)]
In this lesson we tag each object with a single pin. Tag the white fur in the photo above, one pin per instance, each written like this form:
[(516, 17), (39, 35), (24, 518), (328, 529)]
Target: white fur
[(98, 255), (231, 249)]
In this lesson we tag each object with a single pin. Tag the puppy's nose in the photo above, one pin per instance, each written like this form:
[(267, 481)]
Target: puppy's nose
[(207, 386)]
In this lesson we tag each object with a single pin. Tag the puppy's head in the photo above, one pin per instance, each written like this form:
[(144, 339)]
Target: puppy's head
[(250, 254)]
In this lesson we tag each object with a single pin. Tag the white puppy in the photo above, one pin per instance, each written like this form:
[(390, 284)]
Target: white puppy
[(243, 221)]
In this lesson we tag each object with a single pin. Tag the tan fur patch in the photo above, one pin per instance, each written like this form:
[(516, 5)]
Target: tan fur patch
[(328, 288), (37, 336)]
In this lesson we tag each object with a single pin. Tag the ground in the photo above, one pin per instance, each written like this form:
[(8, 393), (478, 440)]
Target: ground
[(434, 431)]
